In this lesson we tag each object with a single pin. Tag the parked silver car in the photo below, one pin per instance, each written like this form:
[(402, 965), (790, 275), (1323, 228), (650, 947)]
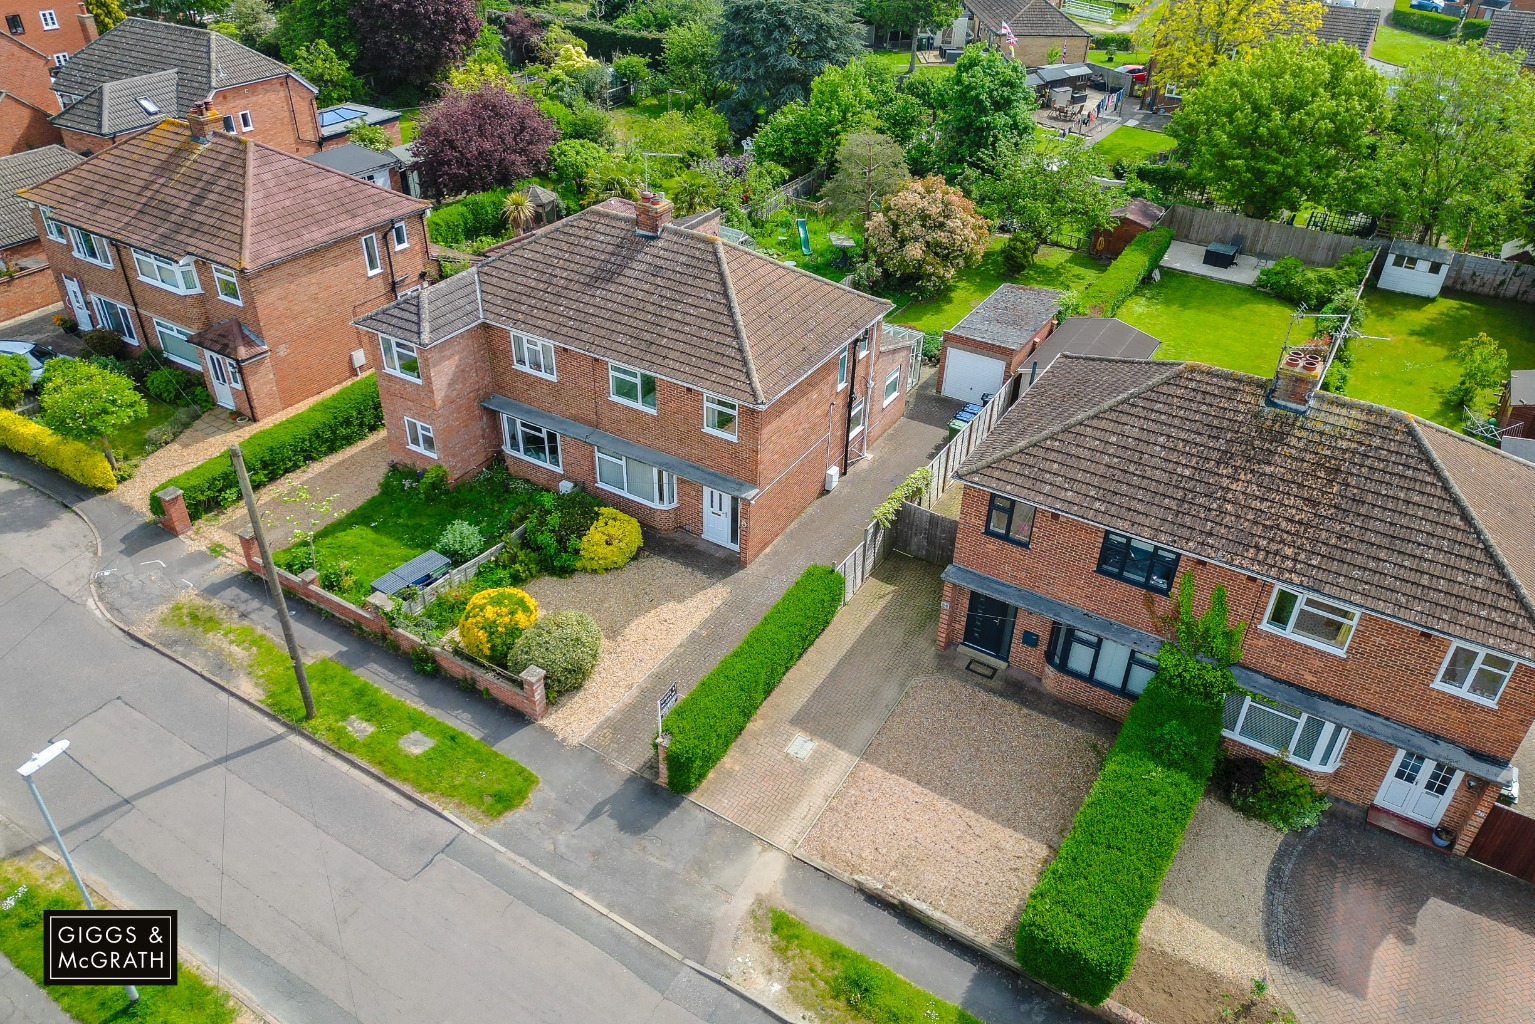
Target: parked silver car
[(35, 354)]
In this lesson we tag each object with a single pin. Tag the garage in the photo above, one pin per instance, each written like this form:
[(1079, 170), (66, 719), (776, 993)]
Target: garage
[(969, 375)]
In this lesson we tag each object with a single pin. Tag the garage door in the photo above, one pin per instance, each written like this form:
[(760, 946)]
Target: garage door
[(969, 375)]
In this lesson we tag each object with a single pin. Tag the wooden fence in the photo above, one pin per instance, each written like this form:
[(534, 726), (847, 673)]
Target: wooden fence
[(1261, 237), (860, 564), (805, 185), (923, 533), (429, 592), (1507, 842)]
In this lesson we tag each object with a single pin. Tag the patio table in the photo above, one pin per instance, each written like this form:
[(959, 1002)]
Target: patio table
[(1219, 254)]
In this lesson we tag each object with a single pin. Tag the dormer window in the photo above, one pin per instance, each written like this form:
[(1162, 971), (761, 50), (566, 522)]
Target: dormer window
[(179, 277), (148, 105)]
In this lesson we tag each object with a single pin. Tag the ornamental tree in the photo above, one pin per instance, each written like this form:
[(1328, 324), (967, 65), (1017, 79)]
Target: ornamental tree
[(987, 104), (411, 42), (1196, 35), (1050, 188), (474, 141), (869, 167), (106, 12), (86, 403), (773, 49), (801, 135), (924, 235)]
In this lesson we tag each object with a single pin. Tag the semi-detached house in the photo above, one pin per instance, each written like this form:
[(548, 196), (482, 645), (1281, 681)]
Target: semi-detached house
[(1384, 564), (689, 382)]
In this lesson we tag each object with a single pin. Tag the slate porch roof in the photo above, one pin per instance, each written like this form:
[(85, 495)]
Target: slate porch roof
[(21, 170), (1027, 18), (1009, 316), (1351, 500)]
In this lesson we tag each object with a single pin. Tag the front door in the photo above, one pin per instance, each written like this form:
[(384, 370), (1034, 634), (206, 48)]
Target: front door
[(722, 518), (77, 303), (1417, 787), (225, 376), (989, 625)]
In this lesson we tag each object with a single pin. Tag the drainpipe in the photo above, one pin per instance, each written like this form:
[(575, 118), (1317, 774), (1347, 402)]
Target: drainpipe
[(394, 284), (122, 267), (852, 388)]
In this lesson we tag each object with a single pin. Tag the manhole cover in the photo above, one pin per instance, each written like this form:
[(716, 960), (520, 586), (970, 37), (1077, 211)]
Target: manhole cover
[(801, 747)]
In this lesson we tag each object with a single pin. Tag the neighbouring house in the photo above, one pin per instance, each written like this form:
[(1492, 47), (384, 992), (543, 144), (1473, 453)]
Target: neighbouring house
[(1513, 30), (1384, 565), (1135, 217), (26, 96), (25, 282), (1517, 409), (985, 349), (238, 261), (57, 30), (1415, 269), (370, 165), (1038, 25), (338, 120), (691, 383)]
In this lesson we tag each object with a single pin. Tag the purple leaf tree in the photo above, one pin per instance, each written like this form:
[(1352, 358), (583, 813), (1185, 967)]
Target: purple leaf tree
[(473, 141), (410, 42)]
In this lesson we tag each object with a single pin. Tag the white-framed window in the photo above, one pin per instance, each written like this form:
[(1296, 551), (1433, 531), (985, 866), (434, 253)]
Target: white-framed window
[(176, 346), (892, 386), (399, 235), (179, 277), (228, 284), (1474, 673), (632, 387), (721, 417), (1311, 620), (640, 481), (54, 229), (246, 124), (60, 59), (419, 437), (370, 254), (229, 125), (1278, 728), (842, 370), (49, 19), (115, 316), (533, 355), (90, 248), (400, 358), (855, 419), (147, 105), (530, 441), (863, 344)]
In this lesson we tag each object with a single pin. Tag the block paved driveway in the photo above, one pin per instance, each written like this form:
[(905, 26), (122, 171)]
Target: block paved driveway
[(1365, 927)]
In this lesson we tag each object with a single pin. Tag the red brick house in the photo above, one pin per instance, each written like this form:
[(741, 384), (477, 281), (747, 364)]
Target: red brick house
[(1384, 564), (993, 341), (26, 85), (238, 261), (26, 284), (691, 383), (49, 27)]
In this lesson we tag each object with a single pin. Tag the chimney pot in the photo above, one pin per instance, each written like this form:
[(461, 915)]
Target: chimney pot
[(200, 122), (652, 212), (1296, 379)]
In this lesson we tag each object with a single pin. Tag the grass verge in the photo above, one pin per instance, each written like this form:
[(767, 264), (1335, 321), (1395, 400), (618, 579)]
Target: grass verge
[(1398, 46), (1060, 269)]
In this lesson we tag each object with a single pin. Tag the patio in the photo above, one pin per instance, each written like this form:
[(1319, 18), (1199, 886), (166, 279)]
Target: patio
[(1190, 258)]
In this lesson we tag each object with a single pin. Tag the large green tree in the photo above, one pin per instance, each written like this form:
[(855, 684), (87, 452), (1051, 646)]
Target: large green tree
[(913, 16), (1038, 191), (1293, 122), (324, 69), (1194, 36), (924, 235), (771, 50), (844, 99), (300, 22), (690, 57), (987, 105), (87, 403)]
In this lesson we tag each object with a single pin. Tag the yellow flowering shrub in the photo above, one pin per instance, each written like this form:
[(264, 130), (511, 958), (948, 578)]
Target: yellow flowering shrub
[(610, 543), (80, 462), (493, 620)]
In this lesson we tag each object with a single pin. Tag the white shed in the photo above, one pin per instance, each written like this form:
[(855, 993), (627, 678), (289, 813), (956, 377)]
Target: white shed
[(1415, 269)]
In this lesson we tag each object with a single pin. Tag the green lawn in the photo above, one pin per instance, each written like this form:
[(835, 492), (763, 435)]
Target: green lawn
[(1061, 269), (898, 60), (459, 768), (628, 119), (408, 125), (779, 238), (1122, 57), (1133, 145), (1210, 321), (128, 442), (1397, 46)]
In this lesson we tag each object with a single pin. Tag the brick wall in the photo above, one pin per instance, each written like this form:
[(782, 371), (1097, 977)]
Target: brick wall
[(1013, 358), (282, 113), (70, 35), (24, 72), (24, 126), (26, 292), (1034, 51)]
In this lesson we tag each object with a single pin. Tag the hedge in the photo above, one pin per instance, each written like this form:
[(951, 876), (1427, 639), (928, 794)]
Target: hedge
[(1474, 28), (1080, 928), (707, 721), (1120, 41), (328, 426), (81, 462), (1427, 22), (604, 40), (479, 215), (1114, 285)]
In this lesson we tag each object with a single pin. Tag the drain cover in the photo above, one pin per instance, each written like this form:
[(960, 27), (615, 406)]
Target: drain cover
[(801, 747)]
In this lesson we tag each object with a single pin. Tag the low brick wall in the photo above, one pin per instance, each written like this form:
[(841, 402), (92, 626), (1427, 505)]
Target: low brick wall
[(26, 292), (526, 694)]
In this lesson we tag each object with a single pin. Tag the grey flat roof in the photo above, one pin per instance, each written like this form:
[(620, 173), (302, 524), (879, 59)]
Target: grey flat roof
[(1521, 387), (1520, 447), (591, 435), (1419, 251), (1095, 336), (354, 159), (351, 115)]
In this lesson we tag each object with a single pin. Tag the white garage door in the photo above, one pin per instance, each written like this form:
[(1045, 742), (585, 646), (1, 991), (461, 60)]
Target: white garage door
[(969, 375)]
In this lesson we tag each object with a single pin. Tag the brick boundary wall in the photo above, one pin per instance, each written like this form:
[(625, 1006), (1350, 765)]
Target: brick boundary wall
[(27, 291)]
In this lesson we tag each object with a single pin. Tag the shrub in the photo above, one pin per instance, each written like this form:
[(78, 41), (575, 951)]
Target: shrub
[(328, 426), (423, 661), (1019, 251), (493, 620), (557, 524), (913, 486), (1281, 796), (102, 342), (610, 543), (565, 644), (1429, 23), (80, 462), (460, 541), (337, 577), (1474, 28), (604, 38), (474, 216), (15, 378), (1113, 41), (170, 386), (710, 717), (1293, 281), (1105, 295), (1483, 371)]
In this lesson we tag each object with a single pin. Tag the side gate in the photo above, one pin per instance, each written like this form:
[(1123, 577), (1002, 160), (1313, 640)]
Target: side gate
[(1506, 842)]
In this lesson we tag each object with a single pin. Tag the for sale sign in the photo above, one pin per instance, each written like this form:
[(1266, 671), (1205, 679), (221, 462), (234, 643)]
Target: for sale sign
[(109, 947)]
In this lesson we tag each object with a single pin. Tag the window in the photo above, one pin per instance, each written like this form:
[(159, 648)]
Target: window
[(720, 416), (149, 106), (1011, 520), (229, 124), (398, 233), (842, 370), (1311, 620), (49, 19), (246, 124), (228, 284), (1101, 662), (14, 26), (60, 59), (400, 357), (419, 437), (632, 387), (54, 228), (180, 278), (892, 386), (1275, 727), (530, 441), (534, 355), (91, 248), (114, 316), (1137, 563), (1474, 673), (863, 344), (175, 344), (855, 418), (370, 254), (643, 483)]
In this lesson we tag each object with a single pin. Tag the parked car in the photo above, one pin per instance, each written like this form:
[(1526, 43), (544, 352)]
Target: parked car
[(1137, 72), (1437, 6), (36, 355)]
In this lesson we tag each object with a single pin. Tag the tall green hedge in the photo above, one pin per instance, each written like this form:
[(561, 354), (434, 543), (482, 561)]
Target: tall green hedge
[(603, 39), (1427, 22), (707, 721), (1080, 929), (479, 215), (328, 426), (1475, 28), (1105, 295)]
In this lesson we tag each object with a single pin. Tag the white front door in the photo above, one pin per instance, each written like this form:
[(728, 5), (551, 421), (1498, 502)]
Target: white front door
[(225, 376), (77, 303), (722, 518), (1417, 787)]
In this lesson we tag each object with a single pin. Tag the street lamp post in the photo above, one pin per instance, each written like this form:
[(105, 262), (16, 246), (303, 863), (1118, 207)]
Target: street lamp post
[(26, 771)]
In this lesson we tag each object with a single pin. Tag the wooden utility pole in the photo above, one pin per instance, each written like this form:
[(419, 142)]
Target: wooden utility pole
[(273, 584)]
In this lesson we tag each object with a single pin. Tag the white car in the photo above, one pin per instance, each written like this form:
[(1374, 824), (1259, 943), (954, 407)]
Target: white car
[(36, 355)]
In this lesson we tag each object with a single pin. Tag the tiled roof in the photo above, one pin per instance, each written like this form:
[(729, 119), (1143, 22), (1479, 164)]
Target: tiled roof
[(230, 338), (230, 200), (354, 159), (117, 107), (685, 305), (1352, 25), (1513, 30), (1026, 18), (436, 312), (1355, 501), (1009, 316), (22, 170)]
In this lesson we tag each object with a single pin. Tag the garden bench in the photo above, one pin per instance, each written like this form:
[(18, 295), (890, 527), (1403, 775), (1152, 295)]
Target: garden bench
[(425, 568)]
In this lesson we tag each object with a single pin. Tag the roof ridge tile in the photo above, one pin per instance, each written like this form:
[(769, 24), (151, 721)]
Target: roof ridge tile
[(735, 318)]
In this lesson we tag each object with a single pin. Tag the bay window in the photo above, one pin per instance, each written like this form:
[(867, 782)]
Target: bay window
[(644, 483), (1278, 728), (1100, 661)]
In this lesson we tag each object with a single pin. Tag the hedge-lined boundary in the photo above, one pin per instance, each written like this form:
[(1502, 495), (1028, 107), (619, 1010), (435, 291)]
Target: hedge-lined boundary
[(324, 428), (79, 461), (1428, 23), (707, 721), (1105, 295), (604, 40), (1080, 929)]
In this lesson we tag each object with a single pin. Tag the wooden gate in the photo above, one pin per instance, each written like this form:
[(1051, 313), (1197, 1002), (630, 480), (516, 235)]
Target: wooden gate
[(925, 534), (1506, 842)]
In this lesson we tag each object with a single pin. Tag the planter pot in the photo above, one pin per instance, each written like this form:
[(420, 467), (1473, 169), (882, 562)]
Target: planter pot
[(1443, 838)]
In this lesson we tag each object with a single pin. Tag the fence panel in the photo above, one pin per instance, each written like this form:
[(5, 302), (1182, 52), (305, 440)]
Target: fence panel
[(1507, 842), (923, 533), (1267, 238), (805, 185)]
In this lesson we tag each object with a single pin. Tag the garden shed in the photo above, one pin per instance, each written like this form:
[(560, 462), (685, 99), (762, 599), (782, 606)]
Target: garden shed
[(1130, 220), (994, 339), (1415, 269)]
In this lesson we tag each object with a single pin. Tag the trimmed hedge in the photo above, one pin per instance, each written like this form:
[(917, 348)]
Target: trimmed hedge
[(603, 39), (707, 721), (80, 462), (1114, 285), (324, 428), (1120, 41), (1080, 929), (478, 215), (1427, 22), (1473, 29)]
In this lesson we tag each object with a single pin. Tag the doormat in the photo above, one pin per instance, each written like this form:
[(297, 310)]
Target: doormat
[(982, 669)]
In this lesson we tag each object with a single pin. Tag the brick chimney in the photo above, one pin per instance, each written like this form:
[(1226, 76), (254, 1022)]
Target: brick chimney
[(88, 29), (201, 121), (1297, 378), (650, 213)]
